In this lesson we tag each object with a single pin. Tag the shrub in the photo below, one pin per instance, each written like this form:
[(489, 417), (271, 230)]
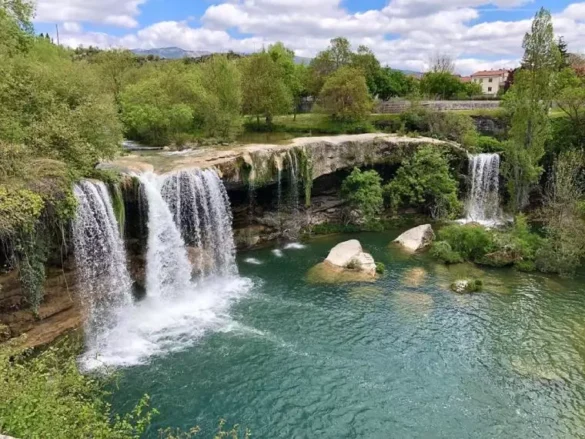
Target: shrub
[(380, 268), (424, 180), (442, 250), (46, 396), (345, 95), (489, 144), (470, 241), (363, 191)]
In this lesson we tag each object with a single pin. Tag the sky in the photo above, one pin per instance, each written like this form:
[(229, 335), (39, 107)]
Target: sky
[(404, 34)]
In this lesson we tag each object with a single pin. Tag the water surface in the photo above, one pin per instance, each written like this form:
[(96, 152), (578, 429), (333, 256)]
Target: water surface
[(402, 357)]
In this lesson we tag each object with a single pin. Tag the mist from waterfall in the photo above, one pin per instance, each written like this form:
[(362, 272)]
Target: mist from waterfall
[(483, 203), (105, 284)]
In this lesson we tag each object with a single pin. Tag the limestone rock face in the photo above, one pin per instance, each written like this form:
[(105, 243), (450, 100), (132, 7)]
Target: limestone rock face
[(349, 255), (416, 239)]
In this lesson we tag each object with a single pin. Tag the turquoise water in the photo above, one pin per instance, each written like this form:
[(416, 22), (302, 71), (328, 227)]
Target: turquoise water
[(402, 357)]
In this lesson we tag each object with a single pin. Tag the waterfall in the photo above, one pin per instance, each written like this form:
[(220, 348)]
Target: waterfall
[(201, 210), (293, 173), (100, 258), (168, 271), (483, 204)]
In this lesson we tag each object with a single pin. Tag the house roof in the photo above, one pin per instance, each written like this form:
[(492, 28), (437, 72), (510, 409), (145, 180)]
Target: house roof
[(490, 73), (465, 78)]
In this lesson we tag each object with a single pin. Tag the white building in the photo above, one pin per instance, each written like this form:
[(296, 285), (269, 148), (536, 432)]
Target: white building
[(491, 81)]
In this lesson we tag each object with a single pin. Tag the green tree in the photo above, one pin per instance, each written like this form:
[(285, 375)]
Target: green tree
[(265, 89), (363, 191), (337, 55), (345, 95), (221, 111), (163, 106), (441, 85), (425, 181), (113, 67), (16, 28), (528, 103), (365, 60), (394, 83)]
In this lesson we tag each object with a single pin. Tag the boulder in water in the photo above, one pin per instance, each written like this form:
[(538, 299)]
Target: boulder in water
[(466, 286), (347, 262), (416, 239)]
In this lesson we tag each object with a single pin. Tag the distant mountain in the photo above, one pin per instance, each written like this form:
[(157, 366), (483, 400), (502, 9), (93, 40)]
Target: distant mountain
[(171, 52), (303, 60)]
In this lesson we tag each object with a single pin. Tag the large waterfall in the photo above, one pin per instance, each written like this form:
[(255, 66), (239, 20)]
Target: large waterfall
[(201, 211), (168, 270), (483, 203), (100, 258)]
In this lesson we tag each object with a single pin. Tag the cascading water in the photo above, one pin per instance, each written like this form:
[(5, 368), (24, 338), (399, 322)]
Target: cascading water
[(100, 258), (167, 266), (293, 175), (483, 204), (201, 209), (189, 233)]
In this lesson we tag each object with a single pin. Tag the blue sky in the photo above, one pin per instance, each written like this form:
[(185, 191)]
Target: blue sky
[(480, 34)]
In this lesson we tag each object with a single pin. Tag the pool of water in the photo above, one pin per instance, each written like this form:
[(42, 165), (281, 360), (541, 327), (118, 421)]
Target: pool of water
[(402, 357)]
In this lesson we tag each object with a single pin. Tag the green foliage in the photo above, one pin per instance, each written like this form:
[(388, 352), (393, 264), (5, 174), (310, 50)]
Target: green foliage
[(564, 248), (363, 191), (471, 242), (46, 396), (394, 83), (442, 250), (19, 210), (222, 103), (380, 268), (424, 180), (265, 88), (489, 144), (344, 95), (445, 85), (528, 102), (30, 249)]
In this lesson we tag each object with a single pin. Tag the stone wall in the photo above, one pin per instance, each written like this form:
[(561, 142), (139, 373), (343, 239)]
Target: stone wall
[(400, 106)]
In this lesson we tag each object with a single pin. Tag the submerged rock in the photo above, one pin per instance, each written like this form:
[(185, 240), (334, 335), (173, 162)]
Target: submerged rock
[(416, 239), (346, 262), (466, 286)]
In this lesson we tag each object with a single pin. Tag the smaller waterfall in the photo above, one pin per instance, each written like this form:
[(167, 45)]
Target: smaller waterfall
[(483, 204), (100, 257), (168, 271), (293, 174)]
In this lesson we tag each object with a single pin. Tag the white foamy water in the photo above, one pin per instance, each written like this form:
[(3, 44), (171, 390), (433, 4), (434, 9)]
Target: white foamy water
[(278, 253), (253, 261), (294, 246), (157, 325)]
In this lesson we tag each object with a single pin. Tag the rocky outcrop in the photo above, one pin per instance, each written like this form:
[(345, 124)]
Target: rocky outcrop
[(312, 157), (59, 313), (416, 239), (346, 262)]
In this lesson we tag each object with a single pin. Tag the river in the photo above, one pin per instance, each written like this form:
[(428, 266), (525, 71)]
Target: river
[(402, 357)]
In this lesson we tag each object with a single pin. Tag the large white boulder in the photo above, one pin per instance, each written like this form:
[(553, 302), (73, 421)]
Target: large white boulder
[(349, 255), (416, 239)]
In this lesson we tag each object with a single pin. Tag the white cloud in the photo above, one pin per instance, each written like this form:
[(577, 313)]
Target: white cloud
[(120, 13), (404, 34)]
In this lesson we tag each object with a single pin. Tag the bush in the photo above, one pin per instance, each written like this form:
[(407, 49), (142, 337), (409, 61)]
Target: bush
[(363, 191), (345, 95), (380, 268), (424, 180), (46, 396), (470, 241), (489, 144), (442, 250)]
